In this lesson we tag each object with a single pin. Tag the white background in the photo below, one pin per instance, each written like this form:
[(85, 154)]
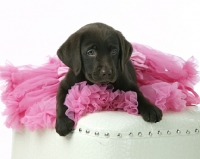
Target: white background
[(31, 30)]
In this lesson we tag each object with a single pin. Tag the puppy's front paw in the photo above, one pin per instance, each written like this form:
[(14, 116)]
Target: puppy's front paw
[(64, 125), (151, 113)]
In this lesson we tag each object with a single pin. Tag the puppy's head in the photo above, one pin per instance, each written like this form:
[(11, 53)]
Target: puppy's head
[(98, 50)]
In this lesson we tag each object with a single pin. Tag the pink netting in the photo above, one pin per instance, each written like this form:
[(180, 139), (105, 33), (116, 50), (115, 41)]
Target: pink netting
[(29, 92), (83, 99)]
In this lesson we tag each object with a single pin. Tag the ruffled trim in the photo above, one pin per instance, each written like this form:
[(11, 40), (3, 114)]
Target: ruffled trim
[(83, 99)]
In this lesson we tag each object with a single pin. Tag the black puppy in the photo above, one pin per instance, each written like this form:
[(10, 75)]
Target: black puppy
[(97, 53)]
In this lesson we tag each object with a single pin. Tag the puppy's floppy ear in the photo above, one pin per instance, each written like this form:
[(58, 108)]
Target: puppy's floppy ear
[(69, 52), (126, 50)]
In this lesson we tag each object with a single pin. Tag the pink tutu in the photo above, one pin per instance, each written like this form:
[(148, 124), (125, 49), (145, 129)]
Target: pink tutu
[(29, 92)]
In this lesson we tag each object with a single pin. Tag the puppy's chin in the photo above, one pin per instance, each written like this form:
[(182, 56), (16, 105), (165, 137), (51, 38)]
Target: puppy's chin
[(91, 79)]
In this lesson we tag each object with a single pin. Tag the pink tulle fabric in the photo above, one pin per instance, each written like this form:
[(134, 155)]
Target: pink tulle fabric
[(29, 92), (83, 99)]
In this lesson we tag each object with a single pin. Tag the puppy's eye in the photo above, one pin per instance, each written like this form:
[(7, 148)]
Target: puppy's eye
[(91, 52), (114, 51)]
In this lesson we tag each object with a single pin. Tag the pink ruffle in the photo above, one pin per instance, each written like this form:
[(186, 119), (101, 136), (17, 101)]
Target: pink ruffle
[(29, 92), (166, 96), (83, 99), (40, 115), (168, 68)]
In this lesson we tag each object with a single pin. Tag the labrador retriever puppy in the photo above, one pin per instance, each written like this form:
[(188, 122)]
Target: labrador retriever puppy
[(97, 53)]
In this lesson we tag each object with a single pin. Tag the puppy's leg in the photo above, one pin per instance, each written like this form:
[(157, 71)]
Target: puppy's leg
[(148, 111), (64, 125)]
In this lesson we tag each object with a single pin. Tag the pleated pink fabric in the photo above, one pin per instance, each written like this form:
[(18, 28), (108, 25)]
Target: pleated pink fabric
[(29, 92)]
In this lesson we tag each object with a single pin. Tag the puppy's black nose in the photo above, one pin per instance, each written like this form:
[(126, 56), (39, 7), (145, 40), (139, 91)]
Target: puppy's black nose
[(106, 72)]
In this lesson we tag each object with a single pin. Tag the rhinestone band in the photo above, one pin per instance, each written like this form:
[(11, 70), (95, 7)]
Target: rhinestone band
[(139, 134)]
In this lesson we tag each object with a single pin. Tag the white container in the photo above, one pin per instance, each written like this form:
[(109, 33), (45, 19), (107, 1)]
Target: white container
[(116, 135)]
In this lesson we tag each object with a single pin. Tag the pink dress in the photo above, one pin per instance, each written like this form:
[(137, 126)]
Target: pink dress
[(29, 92)]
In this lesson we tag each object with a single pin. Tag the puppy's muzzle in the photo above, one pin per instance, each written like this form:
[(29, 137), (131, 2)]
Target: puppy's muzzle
[(105, 73)]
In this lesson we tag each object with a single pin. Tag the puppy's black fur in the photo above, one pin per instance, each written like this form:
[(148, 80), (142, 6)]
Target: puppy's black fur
[(97, 53)]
